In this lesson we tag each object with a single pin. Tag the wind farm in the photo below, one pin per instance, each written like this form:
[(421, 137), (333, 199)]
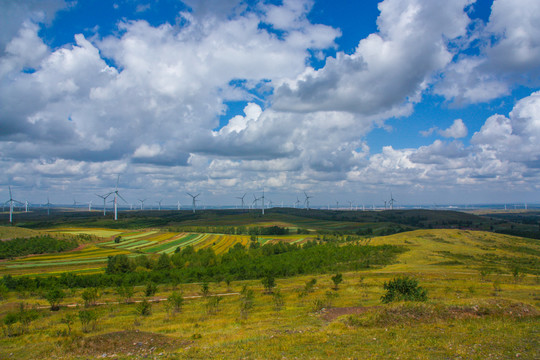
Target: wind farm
[(267, 179)]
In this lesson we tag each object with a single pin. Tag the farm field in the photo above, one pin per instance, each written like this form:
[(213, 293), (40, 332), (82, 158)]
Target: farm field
[(483, 293)]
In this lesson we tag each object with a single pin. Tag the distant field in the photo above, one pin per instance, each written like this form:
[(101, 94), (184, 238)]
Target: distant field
[(11, 232)]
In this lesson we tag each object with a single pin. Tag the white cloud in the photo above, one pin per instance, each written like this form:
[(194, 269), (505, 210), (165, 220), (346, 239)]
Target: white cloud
[(509, 55), (456, 130)]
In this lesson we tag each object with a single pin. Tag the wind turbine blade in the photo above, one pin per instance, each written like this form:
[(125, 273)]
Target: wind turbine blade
[(120, 196)]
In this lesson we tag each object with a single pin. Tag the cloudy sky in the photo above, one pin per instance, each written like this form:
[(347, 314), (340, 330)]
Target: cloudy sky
[(436, 102)]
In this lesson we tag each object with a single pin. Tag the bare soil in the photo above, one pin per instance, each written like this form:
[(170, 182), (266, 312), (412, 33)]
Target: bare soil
[(131, 343)]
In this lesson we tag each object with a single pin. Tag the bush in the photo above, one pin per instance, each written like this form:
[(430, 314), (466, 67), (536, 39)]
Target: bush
[(88, 320), (54, 296), (403, 289), (269, 283), (176, 300), (337, 279), (90, 297), (144, 308), (151, 289)]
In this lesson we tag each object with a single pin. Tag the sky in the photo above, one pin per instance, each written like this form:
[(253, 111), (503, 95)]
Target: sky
[(432, 102)]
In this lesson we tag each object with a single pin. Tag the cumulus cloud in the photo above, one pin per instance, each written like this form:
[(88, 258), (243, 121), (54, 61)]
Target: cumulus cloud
[(509, 54), (456, 130), (146, 100), (389, 70)]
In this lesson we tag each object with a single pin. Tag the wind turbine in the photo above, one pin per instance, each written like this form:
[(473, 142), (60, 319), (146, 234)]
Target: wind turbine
[(116, 196), (350, 205), (307, 200), (26, 206), (104, 197), (159, 204), (262, 202), (392, 200), (178, 206), (297, 202), (142, 203), (90, 206), (48, 206), (242, 199), (255, 199), (194, 200), (11, 201)]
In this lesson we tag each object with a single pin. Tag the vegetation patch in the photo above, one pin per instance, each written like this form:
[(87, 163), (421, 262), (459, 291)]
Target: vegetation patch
[(400, 314)]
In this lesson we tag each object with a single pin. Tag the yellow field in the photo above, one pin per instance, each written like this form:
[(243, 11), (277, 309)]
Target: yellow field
[(11, 232)]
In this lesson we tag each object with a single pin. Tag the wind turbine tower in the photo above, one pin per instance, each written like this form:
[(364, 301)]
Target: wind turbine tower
[(142, 203), (178, 206), (307, 200), (104, 197), (392, 200), (263, 202), (194, 200), (11, 202), (159, 204), (116, 196), (241, 198)]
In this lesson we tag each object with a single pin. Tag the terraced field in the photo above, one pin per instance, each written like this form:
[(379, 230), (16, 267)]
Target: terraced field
[(132, 243)]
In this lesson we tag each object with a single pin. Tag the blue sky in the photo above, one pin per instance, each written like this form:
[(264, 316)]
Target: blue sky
[(346, 100)]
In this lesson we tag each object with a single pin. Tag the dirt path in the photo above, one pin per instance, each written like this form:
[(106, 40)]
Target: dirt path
[(153, 300)]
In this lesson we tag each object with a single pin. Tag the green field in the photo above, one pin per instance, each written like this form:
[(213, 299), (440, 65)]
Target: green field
[(483, 301)]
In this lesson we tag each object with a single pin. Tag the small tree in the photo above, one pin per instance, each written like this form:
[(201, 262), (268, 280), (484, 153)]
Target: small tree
[(205, 289), (144, 308), (68, 319), (176, 300), (403, 289), (151, 289), (269, 283), (246, 302), (90, 297), (117, 239), (337, 279), (125, 292), (212, 304), (9, 320), (277, 297), (88, 320), (164, 262), (54, 296)]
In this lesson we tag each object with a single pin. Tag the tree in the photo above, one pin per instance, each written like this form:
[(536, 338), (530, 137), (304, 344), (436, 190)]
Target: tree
[(88, 320), (269, 283), (337, 279), (54, 296), (212, 304), (246, 302), (277, 297), (403, 289), (151, 289), (144, 308), (164, 262), (205, 290), (68, 319), (90, 296), (125, 292), (176, 300)]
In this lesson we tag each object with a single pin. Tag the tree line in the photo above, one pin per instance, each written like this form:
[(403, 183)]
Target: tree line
[(35, 245), (203, 265)]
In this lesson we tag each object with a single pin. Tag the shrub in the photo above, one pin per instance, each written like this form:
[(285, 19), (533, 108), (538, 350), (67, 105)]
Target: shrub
[(337, 279), (269, 283), (403, 289), (88, 320), (277, 297), (144, 308), (176, 300), (212, 304), (90, 296), (54, 296), (246, 302), (151, 289)]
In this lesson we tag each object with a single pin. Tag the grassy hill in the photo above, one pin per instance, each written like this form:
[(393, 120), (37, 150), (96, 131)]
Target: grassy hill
[(483, 297)]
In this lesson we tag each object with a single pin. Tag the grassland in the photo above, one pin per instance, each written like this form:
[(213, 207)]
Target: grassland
[(483, 290)]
